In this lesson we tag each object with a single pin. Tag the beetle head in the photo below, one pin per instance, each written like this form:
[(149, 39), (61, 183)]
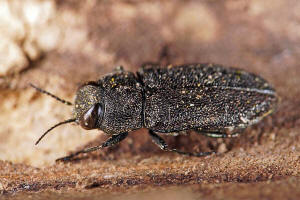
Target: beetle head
[(89, 106)]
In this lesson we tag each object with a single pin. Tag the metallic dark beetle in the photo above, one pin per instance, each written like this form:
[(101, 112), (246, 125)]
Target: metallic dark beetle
[(207, 98)]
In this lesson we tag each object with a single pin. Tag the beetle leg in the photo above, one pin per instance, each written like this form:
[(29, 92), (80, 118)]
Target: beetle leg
[(217, 134), (164, 55), (114, 139), (162, 145), (177, 133), (119, 68)]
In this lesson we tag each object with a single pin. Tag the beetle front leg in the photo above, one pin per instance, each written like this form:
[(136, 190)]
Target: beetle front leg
[(114, 139), (162, 145)]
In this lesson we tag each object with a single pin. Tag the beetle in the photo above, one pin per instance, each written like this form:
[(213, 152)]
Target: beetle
[(210, 99)]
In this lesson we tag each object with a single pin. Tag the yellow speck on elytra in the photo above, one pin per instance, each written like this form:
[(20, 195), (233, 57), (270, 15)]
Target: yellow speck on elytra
[(198, 97)]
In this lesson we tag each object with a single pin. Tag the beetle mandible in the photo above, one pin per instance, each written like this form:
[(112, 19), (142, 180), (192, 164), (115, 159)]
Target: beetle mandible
[(207, 98)]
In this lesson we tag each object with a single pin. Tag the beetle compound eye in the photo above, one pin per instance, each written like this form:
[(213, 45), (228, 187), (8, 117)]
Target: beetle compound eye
[(91, 117)]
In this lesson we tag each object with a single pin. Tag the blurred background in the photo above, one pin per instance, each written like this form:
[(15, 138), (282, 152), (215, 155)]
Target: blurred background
[(58, 45)]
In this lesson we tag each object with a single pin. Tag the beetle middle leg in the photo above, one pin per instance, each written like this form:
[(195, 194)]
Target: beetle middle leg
[(114, 139), (163, 145)]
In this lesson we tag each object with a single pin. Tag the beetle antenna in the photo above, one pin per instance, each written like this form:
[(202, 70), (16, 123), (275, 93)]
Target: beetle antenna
[(53, 127), (51, 95)]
